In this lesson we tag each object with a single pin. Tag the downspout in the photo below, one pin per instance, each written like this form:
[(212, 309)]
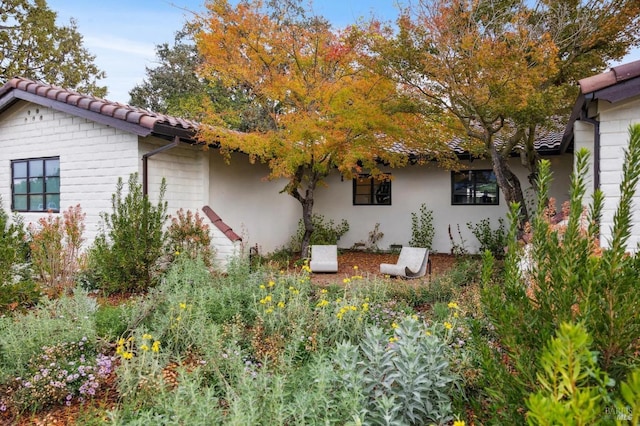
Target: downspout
[(145, 162)]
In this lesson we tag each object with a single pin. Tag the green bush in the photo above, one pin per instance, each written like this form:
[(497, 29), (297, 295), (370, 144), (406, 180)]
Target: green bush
[(564, 276), (324, 232), (19, 296), (125, 256), (14, 249), (422, 231), (494, 240)]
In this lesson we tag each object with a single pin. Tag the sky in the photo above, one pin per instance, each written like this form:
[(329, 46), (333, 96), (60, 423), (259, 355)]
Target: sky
[(123, 34)]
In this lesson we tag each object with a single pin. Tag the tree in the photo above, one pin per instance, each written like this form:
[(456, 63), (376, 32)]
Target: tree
[(502, 68), (328, 110), (33, 46), (175, 87)]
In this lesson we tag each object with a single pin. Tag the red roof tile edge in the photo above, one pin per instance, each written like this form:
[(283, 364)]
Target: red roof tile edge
[(223, 227), (616, 75), (116, 110)]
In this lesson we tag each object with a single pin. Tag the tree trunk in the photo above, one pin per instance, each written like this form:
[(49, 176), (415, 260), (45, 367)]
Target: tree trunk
[(509, 184), (307, 219)]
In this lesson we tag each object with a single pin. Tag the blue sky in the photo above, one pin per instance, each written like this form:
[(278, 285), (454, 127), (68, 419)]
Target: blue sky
[(123, 34)]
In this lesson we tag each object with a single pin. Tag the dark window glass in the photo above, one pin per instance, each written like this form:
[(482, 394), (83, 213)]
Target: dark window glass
[(473, 187), (368, 190), (35, 185)]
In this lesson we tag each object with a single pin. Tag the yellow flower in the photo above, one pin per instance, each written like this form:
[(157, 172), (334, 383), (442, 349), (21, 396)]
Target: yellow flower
[(144, 348), (365, 307), (281, 304), (268, 311), (323, 291), (291, 288), (427, 332), (453, 305), (120, 341), (156, 346), (271, 283), (353, 308), (459, 423), (177, 253), (393, 339), (147, 336), (346, 280), (127, 355), (322, 303), (178, 318), (355, 267), (455, 315), (183, 305), (394, 325), (119, 350), (262, 286), (448, 325), (415, 317)]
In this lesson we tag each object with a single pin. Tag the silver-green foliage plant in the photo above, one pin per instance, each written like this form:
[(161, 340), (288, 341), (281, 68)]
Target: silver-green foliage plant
[(422, 231), (405, 379)]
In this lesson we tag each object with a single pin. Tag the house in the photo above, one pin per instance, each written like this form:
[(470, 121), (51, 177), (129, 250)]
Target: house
[(607, 105), (80, 145)]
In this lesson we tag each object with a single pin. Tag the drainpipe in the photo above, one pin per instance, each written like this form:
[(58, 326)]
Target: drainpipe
[(145, 161)]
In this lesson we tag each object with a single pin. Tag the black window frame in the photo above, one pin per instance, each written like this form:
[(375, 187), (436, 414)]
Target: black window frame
[(378, 193), (477, 197), (31, 192)]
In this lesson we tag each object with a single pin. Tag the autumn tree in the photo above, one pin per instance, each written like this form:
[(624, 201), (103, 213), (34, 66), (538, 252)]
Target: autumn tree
[(33, 46), (329, 112), (504, 69), (174, 86)]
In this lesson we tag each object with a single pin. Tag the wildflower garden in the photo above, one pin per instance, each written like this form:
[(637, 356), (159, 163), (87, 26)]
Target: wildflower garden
[(143, 330)]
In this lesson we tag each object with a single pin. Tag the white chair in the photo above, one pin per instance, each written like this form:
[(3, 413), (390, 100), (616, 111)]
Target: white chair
[(412, 263), (324, 258)]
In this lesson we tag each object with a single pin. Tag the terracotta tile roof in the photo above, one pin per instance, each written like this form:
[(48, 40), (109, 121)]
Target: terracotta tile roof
[(219, 223), (91, 107), (616, 75)]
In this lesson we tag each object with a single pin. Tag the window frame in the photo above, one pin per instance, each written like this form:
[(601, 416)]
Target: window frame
[(29, 178), (374, 193), (472, 176)]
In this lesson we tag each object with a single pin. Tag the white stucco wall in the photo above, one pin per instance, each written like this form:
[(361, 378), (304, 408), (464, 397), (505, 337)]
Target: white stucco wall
[(614, 137), (239, 193), (92, 157), (186, 171)]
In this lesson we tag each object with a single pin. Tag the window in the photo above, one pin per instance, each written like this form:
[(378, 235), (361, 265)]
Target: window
[(368, 190), (35, 185), (472, 187)]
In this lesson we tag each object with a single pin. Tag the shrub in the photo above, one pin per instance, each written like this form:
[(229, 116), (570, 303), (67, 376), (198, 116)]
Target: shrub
[(422, 231), (55, 248), (61, 374), (188, 235), (573, 389), (566, 277), (13, 249), (125, 255), (19, 296), (324, 232), (494, 240), (404, 379)]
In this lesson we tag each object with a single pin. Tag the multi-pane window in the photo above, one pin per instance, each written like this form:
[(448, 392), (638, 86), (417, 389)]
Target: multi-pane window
[(368, 190), (472, 187), (35, 185)]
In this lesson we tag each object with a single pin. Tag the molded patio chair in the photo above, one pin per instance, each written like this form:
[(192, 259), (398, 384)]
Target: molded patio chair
[(412, 263), (324, 258)]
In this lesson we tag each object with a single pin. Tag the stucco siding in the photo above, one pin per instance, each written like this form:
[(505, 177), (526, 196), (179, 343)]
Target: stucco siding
[(614, 138), (241, 195), (92, 157), (186, 171)]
